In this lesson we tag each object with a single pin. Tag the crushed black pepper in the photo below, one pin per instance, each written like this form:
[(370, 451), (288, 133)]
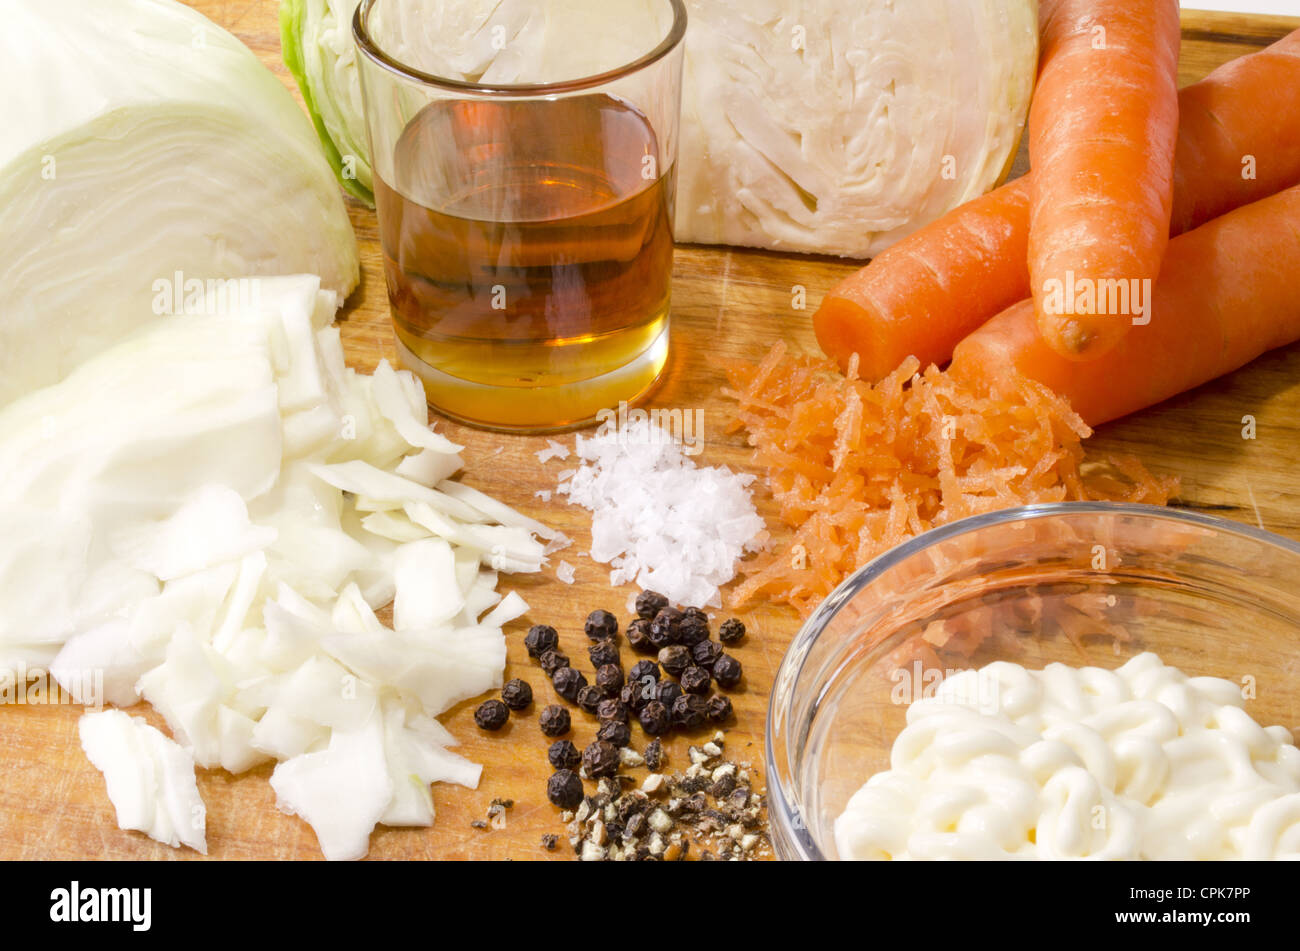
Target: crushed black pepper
[(710, 811), (654, 756)]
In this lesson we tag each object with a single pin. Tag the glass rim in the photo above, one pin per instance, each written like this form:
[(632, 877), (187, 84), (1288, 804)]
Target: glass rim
[(367, 45), (785, 816)]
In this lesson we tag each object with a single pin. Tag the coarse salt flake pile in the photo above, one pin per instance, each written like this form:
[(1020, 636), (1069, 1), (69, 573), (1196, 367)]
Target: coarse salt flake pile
[(659, 519), (208, 516)]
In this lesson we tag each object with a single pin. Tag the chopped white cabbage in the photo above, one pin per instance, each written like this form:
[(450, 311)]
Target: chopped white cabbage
[(149, 153), (416, 749), (150, 778), (210, 528), (830, 126), (189, 551), (342, 791), (428, 593)]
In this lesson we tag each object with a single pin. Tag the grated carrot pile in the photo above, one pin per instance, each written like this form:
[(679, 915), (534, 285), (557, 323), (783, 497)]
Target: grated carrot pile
[(856, 468)]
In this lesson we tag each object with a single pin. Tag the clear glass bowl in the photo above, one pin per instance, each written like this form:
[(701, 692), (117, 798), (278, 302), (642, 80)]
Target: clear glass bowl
[(1079, 583)]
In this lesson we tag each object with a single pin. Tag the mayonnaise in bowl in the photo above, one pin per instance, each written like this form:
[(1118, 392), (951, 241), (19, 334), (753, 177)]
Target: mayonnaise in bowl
[(1140, 762)]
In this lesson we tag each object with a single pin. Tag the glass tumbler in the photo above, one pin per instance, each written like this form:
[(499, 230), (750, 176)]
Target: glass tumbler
[(525, 178)]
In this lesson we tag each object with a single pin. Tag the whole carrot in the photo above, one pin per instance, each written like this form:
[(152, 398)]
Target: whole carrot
[(1236, 144), (1102, 131), (1226, 294), (923, 294), (1238, 134)]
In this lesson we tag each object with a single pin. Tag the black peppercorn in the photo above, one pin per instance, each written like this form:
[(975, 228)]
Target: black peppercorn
[(663, 629), (650, 603), (727, 671), (491, 715), (600, 759), (655, 718), (692, 630), (731, 631), (706, 653), (609, 680), (517, 694), (695, 680), (697, 613), (568, 682), (615, 732), (689, 711), (642, 670), (634, 696), (552, 660), (601, 625), (540, 639), (667, 691), (654, 755), (603, 652), (563, 755), (564, 788), (719, 708), (554, 720), (613, 709), (638, 635), (588, 698), (674, 659)]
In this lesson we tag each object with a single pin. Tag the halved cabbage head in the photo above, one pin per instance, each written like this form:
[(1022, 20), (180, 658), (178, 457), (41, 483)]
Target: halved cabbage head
[(840, 126), (824, 126), (144, 148)]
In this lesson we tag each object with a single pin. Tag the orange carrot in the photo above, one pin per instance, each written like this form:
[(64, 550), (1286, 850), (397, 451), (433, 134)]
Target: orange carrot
[(1226, 294), (1102, 130), (928, 291), (923, 294), (1239, 135)]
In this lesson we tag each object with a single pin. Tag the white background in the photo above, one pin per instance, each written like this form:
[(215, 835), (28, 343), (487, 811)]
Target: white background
[(1282, 7)]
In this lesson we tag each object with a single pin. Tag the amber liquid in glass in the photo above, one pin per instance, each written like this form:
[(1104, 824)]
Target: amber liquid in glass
[(528, 253)]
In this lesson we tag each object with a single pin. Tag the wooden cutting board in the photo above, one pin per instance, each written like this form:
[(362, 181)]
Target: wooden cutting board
[(725, 303)]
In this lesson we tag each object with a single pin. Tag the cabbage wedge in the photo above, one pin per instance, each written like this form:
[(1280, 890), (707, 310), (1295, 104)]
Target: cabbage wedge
[(144, 149)]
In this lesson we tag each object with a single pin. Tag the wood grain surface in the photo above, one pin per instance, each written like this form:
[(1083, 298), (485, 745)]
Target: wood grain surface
[(725, 302)]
